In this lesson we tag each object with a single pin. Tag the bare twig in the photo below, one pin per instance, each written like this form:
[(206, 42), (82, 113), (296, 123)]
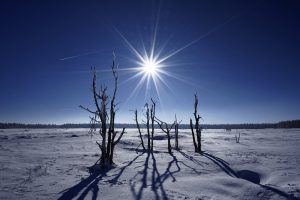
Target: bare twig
[(167, 130), (105, 119)]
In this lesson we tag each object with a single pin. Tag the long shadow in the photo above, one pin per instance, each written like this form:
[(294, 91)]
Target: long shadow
[(87, 184), (168, 173), (92, 187), (91, 183), (157, 182), (122, 169), (138, 194), (221, 163), (157, 179), (191, 158), (248, 176)]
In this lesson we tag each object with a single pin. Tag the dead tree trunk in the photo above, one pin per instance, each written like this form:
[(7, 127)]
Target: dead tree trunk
[(114, 143), (152, 115), (176, 126), (103, 116), (107, 122), (139, 129), (176, 136), (196, 127), (148, 125), (149, 114), (167, 130)]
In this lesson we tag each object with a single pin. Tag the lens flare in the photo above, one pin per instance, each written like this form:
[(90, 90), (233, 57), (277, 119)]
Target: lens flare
[(152, 64), (150, 67)]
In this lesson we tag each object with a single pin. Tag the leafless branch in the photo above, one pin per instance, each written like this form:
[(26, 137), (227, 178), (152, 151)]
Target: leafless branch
[(87, 109)]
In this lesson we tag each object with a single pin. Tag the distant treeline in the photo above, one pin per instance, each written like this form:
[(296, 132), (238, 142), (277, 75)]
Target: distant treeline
[(283, 124)]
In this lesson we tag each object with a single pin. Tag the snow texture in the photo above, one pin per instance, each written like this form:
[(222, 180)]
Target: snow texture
[(52, 164)]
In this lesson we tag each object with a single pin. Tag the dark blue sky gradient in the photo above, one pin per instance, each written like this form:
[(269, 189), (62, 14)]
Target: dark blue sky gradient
[(246, 69)]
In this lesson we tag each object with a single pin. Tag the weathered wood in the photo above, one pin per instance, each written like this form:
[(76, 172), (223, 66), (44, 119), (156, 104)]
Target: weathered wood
[(167, 130), (176, 127), (152, 116), (139, 129), (106, 120), (197, 138)]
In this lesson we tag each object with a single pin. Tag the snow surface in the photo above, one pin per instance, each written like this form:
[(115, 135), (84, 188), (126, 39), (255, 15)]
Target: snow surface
[(52, 164)]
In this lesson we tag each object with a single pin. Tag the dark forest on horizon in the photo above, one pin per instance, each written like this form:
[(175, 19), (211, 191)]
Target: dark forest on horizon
[(282, 124)]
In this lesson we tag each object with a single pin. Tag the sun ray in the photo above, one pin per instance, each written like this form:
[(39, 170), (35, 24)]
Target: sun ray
[(160, 78), (151, 64), (148, 83), (132, 77), (140, 84), (155, 82), (169, 74), (131, 47), (162, 48), (154, 35), (214, 29)]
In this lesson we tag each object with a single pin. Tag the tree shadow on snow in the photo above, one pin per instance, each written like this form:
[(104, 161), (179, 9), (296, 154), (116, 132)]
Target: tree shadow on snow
[(138, 193), (157, 178), (149, 168), (221, 163), (88, 184), (247, 175), (91, 183)]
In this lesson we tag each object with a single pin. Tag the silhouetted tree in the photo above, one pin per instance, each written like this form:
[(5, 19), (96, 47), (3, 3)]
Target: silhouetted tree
[(152, 116), (165, 127), (196, 127), (139, 128), (105, 119), (176, 127), (147, 114)]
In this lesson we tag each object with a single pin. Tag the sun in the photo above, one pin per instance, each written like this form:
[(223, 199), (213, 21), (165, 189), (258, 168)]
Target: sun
[(150, 67)]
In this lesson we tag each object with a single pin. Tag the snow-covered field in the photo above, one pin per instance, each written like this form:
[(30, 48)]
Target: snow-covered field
[(52, 164)]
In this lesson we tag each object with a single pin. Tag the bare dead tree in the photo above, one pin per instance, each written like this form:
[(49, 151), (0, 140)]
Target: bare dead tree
[(165, 127), (139, 129), (152, 116), (197, 139), (147, 114), (106, 120), (176, 127)]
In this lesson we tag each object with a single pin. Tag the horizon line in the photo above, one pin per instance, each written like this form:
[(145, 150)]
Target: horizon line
[(86, 123)]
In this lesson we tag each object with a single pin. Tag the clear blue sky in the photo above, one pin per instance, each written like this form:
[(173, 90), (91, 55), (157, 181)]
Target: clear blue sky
[(244, 62)]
